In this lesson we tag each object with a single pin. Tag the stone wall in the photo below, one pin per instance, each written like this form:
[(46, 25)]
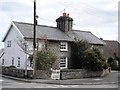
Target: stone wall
[(43, 74), (71, 74), (11, 71), (81, 73)]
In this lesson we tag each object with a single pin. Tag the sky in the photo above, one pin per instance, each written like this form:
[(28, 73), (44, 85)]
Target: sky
[(98, 16)]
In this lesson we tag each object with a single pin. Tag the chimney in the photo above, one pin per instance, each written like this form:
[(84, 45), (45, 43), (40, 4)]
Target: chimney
[(101, 38), (64, 22)]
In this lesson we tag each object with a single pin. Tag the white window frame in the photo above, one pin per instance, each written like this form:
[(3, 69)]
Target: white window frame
[(8, 43), (63, 46), (18, 62), (66, 62), (12, 61), (3, 61)]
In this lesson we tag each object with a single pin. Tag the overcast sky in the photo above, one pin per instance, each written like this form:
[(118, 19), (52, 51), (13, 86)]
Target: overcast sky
[(98, 16)]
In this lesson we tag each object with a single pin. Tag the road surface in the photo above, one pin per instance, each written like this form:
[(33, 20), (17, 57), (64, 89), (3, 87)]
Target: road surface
[(8, 83)]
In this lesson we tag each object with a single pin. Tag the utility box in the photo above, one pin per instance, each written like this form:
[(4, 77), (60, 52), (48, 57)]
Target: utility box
[(55, 74)]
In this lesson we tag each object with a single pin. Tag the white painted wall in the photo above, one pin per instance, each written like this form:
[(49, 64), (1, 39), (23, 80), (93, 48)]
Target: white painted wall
[(1, 57), (15, 50), (41, 45)]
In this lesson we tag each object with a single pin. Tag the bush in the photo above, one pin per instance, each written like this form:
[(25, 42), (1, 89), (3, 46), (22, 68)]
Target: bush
[(113, 63), (110, 60), (78, 48), (105, 66), (94, 61), (85, 57), (44, 60)]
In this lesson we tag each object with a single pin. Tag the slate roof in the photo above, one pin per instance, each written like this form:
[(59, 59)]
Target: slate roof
[(53, 33), (86, 35), (111, 47)]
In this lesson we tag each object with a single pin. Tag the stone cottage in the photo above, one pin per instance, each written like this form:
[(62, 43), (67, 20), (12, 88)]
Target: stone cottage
[(58, 39)]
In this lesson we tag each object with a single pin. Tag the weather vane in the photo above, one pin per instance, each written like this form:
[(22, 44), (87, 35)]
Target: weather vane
[(64, 10)]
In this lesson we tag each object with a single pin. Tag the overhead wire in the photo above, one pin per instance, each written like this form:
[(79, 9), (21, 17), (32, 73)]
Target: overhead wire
[(90, 10)]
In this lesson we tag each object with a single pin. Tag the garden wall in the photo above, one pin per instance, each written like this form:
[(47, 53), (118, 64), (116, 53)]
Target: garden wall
[(44, 74), (10, 71), (81, 73)]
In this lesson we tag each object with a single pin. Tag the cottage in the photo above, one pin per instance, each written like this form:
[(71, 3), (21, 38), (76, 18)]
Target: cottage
[(19, 37), (111, 48)]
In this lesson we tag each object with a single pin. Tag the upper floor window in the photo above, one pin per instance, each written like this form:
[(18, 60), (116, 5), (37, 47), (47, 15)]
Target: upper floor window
[(63, 46), (8, 43)]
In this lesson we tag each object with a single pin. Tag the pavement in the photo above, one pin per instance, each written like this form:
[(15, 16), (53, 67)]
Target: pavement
[(112, 78)]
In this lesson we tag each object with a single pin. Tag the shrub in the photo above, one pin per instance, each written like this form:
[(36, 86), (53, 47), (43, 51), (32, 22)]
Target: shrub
[(94, 60), (112, 63), (110, 60), (44, 60), (85, 57), (78, 48), (105, 66)]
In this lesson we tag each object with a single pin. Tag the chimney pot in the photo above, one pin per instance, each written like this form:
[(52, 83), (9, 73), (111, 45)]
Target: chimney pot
[(101, 38), (68, 14), (64, 14)]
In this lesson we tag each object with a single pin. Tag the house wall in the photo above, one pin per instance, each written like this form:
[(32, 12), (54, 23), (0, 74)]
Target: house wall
[(40, 45), (1, 60), (54, 46), (100, 47), (14, 51), (1, 56)]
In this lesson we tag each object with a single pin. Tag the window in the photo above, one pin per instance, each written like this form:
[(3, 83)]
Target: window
[(13, 61), (63, 46), (63, 62), (3, 61), (18, 62), (8, 43)]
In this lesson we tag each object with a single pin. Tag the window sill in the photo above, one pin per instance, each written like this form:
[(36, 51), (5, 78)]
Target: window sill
[(63, 67), (63, 50)]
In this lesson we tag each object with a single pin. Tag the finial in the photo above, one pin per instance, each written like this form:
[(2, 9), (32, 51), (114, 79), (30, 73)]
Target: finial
[(64, 10)]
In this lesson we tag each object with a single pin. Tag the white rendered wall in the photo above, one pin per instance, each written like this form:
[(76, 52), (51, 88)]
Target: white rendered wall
[(15, 50)]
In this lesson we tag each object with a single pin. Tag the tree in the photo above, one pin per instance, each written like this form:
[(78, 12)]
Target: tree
[(85, 57), (112, 63), (93, 60), (44, 60), (78, 47)]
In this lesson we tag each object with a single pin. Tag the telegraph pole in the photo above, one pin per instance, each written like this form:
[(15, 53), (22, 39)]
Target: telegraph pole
[(34, 41)]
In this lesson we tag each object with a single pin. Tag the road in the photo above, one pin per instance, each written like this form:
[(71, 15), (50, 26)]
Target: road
[(8, 83)]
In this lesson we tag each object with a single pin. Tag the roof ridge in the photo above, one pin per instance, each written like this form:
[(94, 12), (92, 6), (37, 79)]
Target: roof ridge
[(32, 24), (111, 40), (22, 22), (81, 31)]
